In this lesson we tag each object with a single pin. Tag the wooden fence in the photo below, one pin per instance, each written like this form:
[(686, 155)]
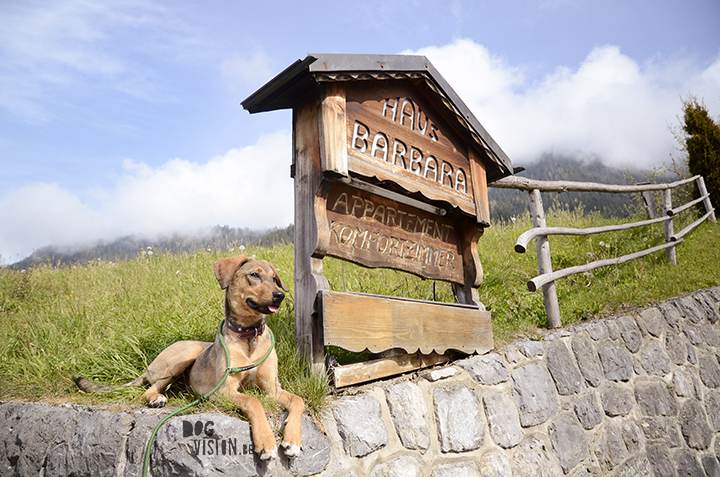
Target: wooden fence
[(540, 231)]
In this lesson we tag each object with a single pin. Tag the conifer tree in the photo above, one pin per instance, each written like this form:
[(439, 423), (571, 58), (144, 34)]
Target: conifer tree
[(703, 145)]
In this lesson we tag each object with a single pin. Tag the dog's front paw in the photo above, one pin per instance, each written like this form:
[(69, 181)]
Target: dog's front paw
[(291, 450), (159, 401), (268, 454)]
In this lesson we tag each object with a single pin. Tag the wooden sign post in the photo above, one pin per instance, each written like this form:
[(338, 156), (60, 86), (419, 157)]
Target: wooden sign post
[(391, 170)]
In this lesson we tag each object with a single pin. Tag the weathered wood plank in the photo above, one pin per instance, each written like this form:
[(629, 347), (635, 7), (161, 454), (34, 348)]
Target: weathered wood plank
[(541, 280), (333, 137), (522, 183), (375, 231), (358, 322), (309, 278), (479, 187), (381, 368), (677, 236), (526, 237), (542, 248)]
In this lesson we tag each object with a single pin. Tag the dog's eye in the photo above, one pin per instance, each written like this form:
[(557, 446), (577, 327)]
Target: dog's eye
[(255, 275)]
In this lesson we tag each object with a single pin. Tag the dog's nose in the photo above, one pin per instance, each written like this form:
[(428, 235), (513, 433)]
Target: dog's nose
[(278, 295)]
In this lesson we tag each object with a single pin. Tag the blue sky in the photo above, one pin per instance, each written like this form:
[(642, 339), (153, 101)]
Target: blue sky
[(124, 117)]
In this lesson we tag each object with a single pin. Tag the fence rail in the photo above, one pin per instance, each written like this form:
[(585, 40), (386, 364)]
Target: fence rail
[(540, 232)]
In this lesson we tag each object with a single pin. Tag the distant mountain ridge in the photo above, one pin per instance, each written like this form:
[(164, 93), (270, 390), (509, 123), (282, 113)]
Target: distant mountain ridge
[(507, 203), (127, 248), (504, 204)]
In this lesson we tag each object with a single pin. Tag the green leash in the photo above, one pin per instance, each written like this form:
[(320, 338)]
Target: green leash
[(228, 370)]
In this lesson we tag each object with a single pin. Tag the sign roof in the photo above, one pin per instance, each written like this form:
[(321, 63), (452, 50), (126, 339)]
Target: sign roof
[(283, 91)]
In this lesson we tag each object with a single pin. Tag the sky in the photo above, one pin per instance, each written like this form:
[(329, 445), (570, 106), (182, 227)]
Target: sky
[(124, 117)]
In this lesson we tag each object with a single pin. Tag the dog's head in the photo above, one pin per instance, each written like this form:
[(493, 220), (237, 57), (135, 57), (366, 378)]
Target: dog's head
[(252, 287)]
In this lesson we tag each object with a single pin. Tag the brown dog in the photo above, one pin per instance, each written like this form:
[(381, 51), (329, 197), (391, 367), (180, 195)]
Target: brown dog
[(253, 290)]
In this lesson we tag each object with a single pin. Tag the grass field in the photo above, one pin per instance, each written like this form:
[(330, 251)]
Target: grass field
[(106, 321)]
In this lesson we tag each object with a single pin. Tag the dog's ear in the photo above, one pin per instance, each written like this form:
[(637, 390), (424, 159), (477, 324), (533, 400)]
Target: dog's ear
[(279, 280), (225, 268)]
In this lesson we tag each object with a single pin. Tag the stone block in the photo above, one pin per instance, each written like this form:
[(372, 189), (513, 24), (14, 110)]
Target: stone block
[(712, 403), (676, 346), (655, 400), (671, 313), (711, 465), (651, 321), (530, 349), (487, 369), (616, 362), (710, 335), (459, 419), (534, 394), (687, 464), (632, 435), (532, 458), (569, 443), (360, 425), (693, 335), (138, 439), (630, 332), (461, 469), (403, 466), (610, 448), (709, 371), (503, 419), (617, 401), (216, 444), (493, 464), (694, 425), (563, 369), (661, 461), (588, 360), (315, 454), (684, 385), (597, 330), (92, 444), (588, 412), (409, 413), (654, 360), (693, 311), (637, 466)]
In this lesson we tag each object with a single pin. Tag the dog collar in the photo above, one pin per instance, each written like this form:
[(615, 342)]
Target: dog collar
[(246, 333)]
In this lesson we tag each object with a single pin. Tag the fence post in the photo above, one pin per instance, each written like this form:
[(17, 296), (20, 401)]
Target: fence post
[(703, 191), (667, 208), (542, 246)]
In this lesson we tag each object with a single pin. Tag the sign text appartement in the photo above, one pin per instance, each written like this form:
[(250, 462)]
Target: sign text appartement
[(376, 231)]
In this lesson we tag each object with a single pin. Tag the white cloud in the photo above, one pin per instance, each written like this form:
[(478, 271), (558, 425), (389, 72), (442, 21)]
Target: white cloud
[(609, 105), (248, 187), (241, 72), (51, 50)]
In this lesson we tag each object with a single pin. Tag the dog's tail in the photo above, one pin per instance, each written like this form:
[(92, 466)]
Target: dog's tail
[(91, 387)]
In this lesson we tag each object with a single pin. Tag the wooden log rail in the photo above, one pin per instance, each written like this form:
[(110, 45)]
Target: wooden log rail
[(540, 232)]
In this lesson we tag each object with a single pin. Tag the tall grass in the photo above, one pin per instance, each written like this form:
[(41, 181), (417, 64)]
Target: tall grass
[(107, 321)]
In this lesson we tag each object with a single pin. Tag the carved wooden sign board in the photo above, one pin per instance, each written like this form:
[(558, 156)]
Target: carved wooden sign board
[(391, 171)]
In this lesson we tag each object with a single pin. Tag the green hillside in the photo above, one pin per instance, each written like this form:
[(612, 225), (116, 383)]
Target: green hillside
[(107, 320)]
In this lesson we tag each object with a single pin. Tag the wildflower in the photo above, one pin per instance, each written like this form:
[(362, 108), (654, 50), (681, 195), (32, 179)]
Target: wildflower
[(602, 244), (242, 247), (589, 255)]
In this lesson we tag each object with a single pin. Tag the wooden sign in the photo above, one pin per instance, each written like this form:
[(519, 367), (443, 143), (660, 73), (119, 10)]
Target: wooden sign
[(390, 170), (375, 231), (377, 323), (394, 135)]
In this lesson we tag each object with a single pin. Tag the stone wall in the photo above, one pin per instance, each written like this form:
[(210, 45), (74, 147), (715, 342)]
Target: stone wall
[(624, 396)]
